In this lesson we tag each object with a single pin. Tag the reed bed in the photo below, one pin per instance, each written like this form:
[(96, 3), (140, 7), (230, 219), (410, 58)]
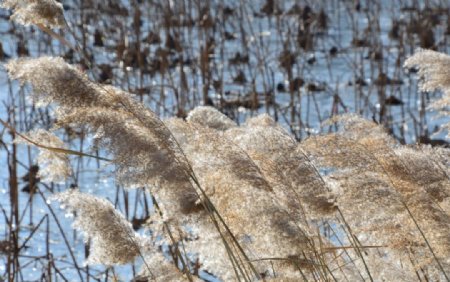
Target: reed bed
[(233, 186)]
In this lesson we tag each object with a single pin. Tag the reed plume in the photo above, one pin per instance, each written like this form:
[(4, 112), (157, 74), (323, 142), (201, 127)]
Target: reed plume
[(113, 240), (82, 102), (144, 149), (434, 72), (240, 192), (39, 12), (433, 69), (210, 117), (162, 270), (53, 166), (292, 176), (372, 173)]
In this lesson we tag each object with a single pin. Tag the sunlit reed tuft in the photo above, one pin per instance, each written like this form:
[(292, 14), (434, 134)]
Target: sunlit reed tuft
[(111, 236), (41, 12), (54, 166)]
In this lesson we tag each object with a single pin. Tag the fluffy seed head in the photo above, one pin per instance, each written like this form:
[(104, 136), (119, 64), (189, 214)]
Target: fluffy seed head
[(40, 12), (434, 69), (145, 150), (113, 240), (210, 117), (53, 80), (54, 166)]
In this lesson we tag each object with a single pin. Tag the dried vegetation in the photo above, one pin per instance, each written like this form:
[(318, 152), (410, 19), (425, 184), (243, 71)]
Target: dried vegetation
[(248, 202)]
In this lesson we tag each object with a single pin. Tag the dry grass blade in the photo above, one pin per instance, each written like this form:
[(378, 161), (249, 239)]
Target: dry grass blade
[(53, 149)]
